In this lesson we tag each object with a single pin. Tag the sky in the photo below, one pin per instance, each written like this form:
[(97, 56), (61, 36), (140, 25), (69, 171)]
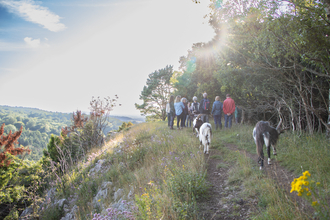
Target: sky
[(57, 55)]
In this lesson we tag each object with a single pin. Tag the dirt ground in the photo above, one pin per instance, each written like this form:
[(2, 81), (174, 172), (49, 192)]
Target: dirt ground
[(224, 201)]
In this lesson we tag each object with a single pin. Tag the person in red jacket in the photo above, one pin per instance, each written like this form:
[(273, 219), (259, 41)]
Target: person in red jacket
[(228, 110)]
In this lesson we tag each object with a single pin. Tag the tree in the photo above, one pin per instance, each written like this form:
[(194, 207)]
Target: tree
[(84, 134), (156, 93), (8, 143)]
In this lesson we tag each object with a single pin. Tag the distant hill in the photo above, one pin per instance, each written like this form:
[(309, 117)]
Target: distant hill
[(137, 119), (39, 125)]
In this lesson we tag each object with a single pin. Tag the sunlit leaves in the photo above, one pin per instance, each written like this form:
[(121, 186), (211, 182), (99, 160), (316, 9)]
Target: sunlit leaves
[(156, 93)]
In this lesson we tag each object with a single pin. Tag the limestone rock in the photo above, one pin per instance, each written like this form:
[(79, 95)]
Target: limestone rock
[(118, 194)]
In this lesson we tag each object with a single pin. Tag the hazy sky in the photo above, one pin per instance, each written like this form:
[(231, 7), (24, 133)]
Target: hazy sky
[(56, 55)]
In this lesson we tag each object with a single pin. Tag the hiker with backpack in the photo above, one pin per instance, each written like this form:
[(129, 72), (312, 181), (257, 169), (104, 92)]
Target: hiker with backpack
[(194, 108), (204, 107), (228, 110), (217, 112)]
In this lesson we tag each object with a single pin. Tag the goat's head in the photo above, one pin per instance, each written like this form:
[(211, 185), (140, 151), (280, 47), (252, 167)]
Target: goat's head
[(197, 123)]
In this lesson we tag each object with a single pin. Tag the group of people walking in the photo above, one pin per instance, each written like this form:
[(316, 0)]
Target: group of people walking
[(185, 111)]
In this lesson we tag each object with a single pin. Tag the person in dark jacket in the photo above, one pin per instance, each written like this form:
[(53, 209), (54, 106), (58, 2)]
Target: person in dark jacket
[(204, 107), (217, 112), (238, 114), (189, 117), (185, 111), (172, 112), (194, 107)]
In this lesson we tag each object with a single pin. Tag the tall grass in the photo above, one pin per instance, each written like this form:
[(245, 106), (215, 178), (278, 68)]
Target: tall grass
[(296, 154), (164, 167)]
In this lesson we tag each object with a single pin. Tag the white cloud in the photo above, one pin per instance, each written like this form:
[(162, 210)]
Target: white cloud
[(30, 11), (32, 43), (20, 46)]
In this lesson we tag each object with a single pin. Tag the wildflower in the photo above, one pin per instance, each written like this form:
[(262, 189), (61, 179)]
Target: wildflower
[(318, 183), (145, 195), (315, 203), (306, 173)]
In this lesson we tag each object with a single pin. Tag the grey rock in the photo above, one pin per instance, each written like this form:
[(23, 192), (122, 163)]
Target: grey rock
[(71, 214), (60, 203), (131, 193), (97, 167), (118, 194), (27, 211), (101, 194)]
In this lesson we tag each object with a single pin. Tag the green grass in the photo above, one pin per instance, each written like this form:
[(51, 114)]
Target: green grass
[(167, 169), (296, 154)]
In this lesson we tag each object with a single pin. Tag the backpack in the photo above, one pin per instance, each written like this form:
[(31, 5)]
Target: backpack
[(195, 107), (206, 105)]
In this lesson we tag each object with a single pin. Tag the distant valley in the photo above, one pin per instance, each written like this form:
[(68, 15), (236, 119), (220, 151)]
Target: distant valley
[(39, 125)]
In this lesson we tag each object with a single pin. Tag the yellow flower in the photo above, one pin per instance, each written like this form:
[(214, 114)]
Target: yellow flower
[(318, 183), (145, 195), (306, 183), (315, 203), (308, 194), (306, 173), (299, 194)]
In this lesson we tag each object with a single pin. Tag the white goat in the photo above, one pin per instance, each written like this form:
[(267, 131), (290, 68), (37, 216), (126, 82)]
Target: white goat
[(205, 135)]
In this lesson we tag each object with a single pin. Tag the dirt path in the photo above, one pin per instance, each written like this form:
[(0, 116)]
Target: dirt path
[(224, 200)]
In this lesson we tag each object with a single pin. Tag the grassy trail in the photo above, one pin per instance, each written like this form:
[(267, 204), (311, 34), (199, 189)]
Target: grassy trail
[(239, 190)]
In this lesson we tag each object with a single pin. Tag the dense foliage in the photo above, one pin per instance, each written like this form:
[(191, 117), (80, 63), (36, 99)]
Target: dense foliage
[(268, 55), (38, 125)]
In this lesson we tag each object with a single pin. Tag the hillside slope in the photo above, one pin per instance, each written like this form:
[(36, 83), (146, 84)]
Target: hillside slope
[(151, 172)]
